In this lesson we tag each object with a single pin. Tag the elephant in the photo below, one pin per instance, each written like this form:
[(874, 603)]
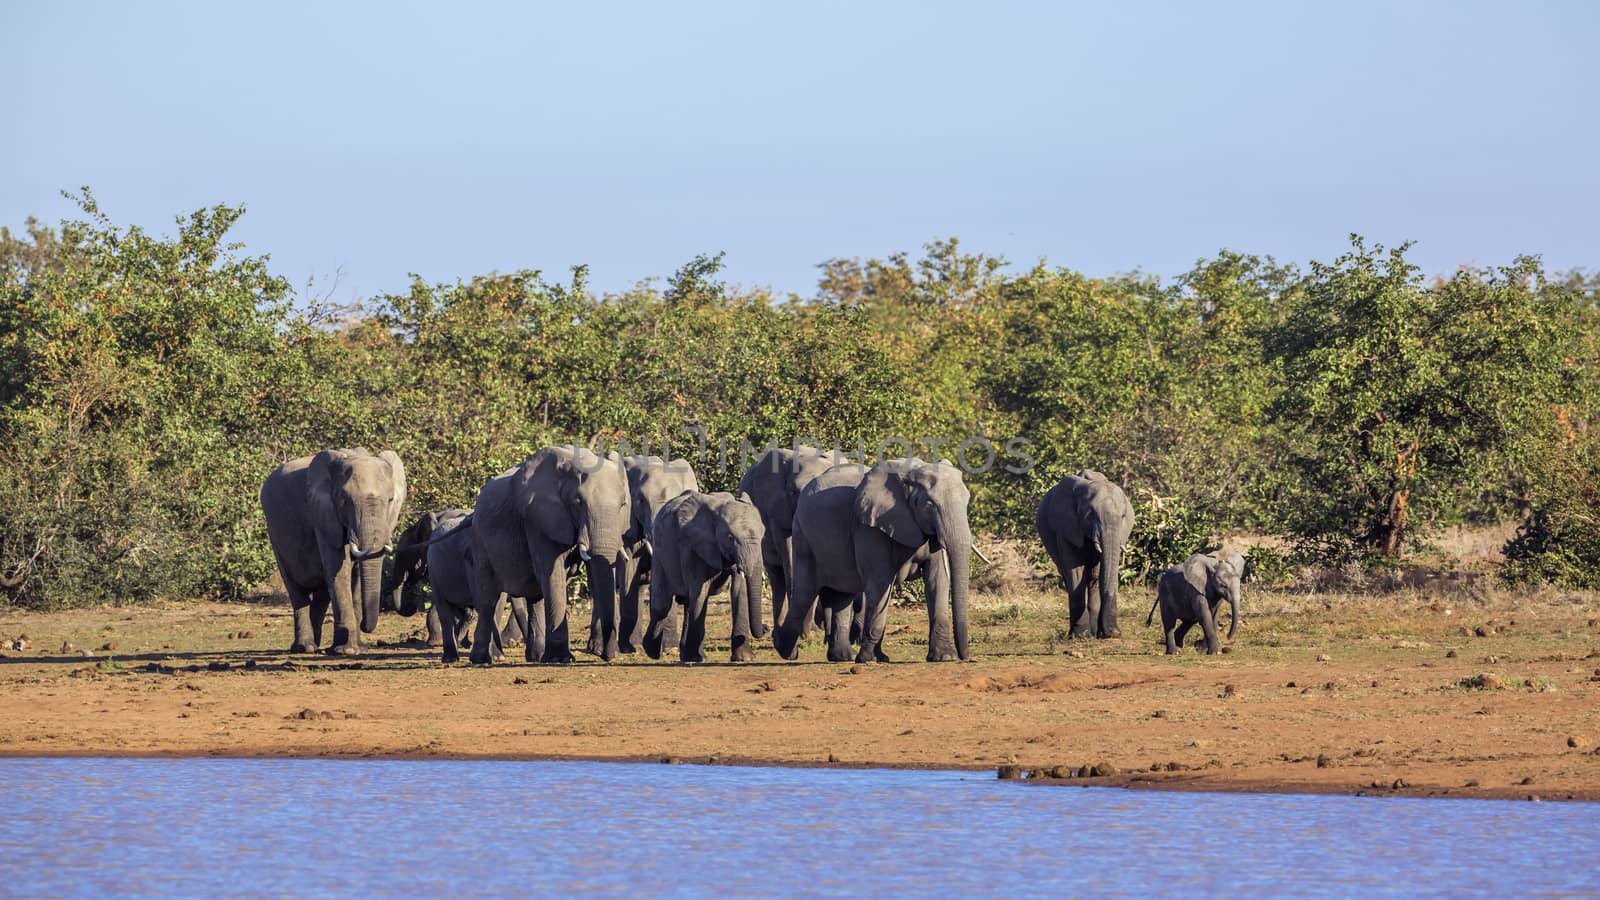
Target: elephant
[(533, 525), (702, 542), (652, 481), (773, 484), (330, 519), (410, 571), (437, 548), (1084, 522), (860, 530), (1192, 591)]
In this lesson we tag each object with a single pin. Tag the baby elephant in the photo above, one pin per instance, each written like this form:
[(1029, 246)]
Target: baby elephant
[(701, 542), (1192, 591)]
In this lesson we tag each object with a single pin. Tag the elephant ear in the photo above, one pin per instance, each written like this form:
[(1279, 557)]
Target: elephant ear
[(706, 531), (323, 477), (398, 472), (881, 503)]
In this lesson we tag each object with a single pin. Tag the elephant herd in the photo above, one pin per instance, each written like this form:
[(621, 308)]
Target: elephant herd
[(833, 539)]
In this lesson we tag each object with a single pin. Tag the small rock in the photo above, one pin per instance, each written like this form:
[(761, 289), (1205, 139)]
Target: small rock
[(1228, 649), (1158, 714), (1481, 631), (1290, 684), (1398, 784), (231, 635), (1489, 681), (66, 647), (1450, 654), (1323, 657), (1006, 772), (1104, 770), (1576, 742), (108, 646), (1229, 690), (1322, 761), (857, 669)]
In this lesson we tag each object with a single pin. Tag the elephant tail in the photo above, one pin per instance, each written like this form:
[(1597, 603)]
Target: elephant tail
[(1152, 617)]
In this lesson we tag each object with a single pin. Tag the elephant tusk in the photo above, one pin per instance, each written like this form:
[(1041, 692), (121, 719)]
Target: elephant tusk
[(981, 556), (584, 555), (626, 553)]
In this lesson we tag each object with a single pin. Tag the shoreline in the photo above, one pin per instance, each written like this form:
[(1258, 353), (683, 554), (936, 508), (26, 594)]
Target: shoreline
[(1136, 781)]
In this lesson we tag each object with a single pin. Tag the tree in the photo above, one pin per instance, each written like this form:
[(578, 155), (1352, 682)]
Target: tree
[(1400, 396)]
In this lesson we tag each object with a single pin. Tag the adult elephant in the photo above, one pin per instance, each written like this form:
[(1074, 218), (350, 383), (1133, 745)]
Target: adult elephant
[(652, 481), (773, 483), (330, 518), (1084, 522), (701, 543), (533, 525), (865, 531), (1192, 592)]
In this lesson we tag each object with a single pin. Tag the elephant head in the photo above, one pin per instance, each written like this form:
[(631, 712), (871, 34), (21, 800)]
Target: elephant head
[(1222, 583), (410, 565), (917, 503), (652, 481), (355, 499), (590, 511)]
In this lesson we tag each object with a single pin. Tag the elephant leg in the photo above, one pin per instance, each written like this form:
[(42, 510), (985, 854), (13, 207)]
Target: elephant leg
[(1178, 635), (553, 582), (305, 635), (691, 644), (466, 622), (1078, 601), (1208, 626), (803, 594), (630, 622), (435, 630), (516, 623), (661, 615), (447, 632), (839, 603), (596, 640), (936, 582), (320, 603), (1090, 624), (873, 620), (1169, 623), (858, 615), (346, 634), (485, 599)]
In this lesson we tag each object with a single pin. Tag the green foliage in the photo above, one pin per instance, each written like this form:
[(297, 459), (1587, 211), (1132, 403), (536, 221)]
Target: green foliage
[(1165, 531), (148, 384), (1400, 399), (1268, 565)]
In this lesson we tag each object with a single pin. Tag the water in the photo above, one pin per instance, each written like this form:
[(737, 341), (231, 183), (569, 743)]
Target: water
[(189, 827)]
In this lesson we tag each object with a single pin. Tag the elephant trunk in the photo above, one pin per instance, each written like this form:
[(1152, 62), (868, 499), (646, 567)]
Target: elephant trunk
[(1110, 577), (956, 538), (369, 556), (600, 538), (1233, 604), (751, 566), (371, 592)]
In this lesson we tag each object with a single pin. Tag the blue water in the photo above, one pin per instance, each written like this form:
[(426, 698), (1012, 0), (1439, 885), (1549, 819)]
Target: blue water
[(249, 827)]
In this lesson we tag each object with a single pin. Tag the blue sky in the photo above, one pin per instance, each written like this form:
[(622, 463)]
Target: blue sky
[(455, 139)]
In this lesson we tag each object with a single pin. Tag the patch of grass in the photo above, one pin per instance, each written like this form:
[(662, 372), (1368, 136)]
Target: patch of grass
[(110, 664)]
